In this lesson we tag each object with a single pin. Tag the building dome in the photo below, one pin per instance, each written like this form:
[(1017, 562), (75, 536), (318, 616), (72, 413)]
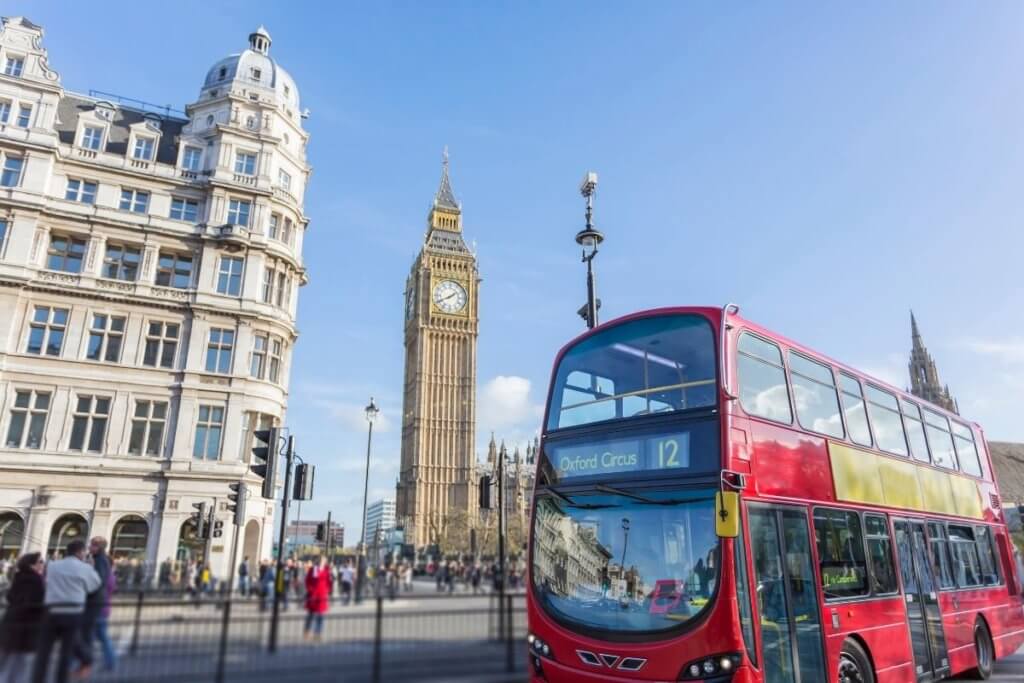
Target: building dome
[(252, 69)]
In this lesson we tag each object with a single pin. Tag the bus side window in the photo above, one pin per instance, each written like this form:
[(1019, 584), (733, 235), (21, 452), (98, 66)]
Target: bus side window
[(965, 556), (841, 558), (853, 409), (915, 431), (986, 553), (883, 573), (763, 389), (884, 412), (940, 441), (966, 449), (939, 546)]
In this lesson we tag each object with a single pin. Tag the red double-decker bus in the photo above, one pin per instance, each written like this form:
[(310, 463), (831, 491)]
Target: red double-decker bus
[(717, 503)]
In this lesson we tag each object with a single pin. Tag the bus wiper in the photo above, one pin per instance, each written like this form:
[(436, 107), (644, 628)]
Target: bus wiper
[(551, 490), (604, 488)]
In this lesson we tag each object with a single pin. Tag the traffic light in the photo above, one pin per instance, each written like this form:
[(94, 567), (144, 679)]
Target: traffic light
[(265, 459), (303, 482), (321, 532), (485, 492), (237, 501), (200, 519)]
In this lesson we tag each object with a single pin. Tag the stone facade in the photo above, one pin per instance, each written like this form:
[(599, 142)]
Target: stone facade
[(149, 272), (439, 400)]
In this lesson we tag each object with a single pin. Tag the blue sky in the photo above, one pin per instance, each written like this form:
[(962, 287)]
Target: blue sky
[(826, 167)]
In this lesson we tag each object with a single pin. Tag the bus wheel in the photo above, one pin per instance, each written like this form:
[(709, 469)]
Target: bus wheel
[(854, 665), (984, 651)]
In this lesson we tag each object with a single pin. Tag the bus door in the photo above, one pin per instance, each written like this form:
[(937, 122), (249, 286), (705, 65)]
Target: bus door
[(787, 596), (921, 599)]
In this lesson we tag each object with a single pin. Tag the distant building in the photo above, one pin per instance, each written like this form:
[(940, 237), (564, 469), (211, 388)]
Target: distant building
[(924, 376), (380, 520), (300, 532), (150, 261)]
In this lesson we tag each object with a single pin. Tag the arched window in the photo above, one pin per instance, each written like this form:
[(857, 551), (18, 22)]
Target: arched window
[(129, 539), (67, 528), (12, 531)]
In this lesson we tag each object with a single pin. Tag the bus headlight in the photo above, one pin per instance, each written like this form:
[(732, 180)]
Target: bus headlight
[(538, 646), (708, 667)]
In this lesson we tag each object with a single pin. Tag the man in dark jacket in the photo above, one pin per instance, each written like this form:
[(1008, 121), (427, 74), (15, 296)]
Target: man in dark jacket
[(98, 600), (19, 629)]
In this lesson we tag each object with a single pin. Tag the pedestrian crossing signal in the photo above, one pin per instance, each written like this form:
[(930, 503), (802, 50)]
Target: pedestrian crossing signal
[(321, 532), (485, 492)]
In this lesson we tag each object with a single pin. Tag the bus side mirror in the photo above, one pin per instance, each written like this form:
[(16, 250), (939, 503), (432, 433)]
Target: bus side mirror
[(727, 514)]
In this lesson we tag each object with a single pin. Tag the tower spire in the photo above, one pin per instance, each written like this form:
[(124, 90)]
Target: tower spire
[(445, 197), (924, 375)]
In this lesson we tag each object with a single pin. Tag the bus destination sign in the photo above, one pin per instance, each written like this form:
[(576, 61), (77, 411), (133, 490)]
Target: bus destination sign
[(660, 452)]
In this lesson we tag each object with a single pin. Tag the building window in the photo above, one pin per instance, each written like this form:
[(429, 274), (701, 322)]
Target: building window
[(89, 424), (286, 234), (184, 209), (276, 345), (46, 331), (161, 344), (5, 110), (65, 254), (92, 137), (11, 174), (121, 263), (268, 285), (3, 232), (256, 73), (83, 191), (229, 277), (14, 66), (143, 149), (105, 337), (208, 431), (280, 288), (174, 270), (191, 158), (134, 200), (275, 220), (259, 356), (245, 163), (218, 350), (284, 179), (30, 409), (238, 212), (147, 435), (24, 116)]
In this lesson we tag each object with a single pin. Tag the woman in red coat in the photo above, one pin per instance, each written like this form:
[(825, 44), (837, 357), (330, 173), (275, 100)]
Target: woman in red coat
[(318, 593)]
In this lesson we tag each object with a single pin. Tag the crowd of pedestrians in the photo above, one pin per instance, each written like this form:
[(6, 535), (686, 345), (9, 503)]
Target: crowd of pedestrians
[(62, 604)]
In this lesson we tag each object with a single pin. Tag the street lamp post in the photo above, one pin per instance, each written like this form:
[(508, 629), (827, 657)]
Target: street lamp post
[(371, 415), (589, 238)]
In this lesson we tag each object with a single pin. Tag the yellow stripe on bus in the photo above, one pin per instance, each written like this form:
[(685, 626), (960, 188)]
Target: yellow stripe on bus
[(861, 476)]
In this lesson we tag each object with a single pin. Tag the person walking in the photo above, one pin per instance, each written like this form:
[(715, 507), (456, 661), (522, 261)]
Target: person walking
[(102, 628), (266, 580), (19, 628), (318, 591), (475, 575), (243, 577), (347, 575), (98, 601), (68, 582)]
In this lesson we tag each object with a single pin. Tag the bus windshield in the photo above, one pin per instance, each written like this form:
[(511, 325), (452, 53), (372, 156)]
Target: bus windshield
[(650, 365), (619, 561)]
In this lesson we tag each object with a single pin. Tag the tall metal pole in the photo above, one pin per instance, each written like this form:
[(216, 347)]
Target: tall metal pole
[(501, 521), (327, 536), (279, 575), (371, 414), (589, 238), (242, 492), (591, 294)]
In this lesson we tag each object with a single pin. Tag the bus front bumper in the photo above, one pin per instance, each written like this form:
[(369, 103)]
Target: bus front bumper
[(554, 672)]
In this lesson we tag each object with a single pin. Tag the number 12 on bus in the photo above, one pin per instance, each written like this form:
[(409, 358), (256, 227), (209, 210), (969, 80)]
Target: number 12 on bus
[(717, 503)]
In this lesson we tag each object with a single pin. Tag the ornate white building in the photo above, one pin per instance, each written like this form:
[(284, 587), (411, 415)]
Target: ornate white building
[(149, 272)]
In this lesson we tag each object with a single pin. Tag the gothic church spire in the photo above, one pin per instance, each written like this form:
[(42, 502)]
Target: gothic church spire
[(924, 375)]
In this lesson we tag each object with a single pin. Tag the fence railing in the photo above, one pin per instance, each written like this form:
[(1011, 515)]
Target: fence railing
[(410, 637)]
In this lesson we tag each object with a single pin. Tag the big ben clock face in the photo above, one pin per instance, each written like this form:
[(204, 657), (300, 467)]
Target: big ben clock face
[(449, 296)]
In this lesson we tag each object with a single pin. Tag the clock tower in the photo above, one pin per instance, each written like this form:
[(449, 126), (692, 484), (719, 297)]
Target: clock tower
[(435, 485)]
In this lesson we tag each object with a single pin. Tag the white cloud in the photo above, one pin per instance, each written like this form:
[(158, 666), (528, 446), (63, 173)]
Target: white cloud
[(352, 415), (1009, 351), (504, 404)]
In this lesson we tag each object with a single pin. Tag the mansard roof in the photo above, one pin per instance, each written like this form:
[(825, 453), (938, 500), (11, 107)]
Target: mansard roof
[(71, 106)]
